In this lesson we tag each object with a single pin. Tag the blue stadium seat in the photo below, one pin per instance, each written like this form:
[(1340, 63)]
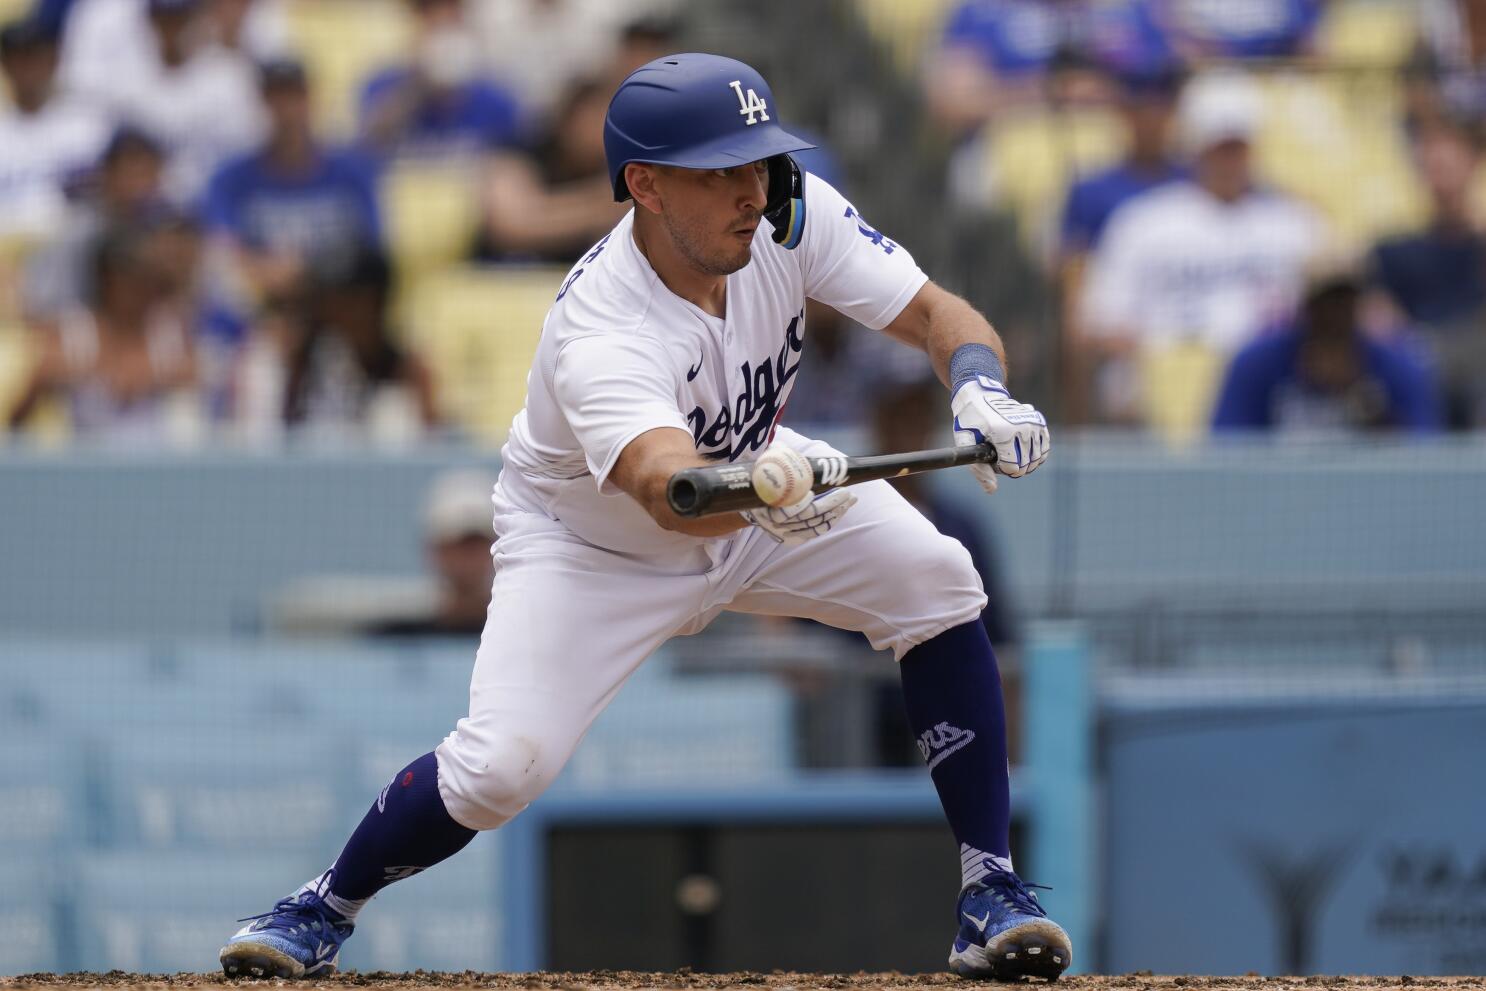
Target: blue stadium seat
[(228, 789), (386, 689), (44, 792), (171, 910), (31, 907), (662, 728)]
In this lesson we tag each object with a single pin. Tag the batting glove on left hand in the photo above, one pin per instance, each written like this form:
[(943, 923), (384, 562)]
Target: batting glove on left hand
[(985, 411), (812, 516)]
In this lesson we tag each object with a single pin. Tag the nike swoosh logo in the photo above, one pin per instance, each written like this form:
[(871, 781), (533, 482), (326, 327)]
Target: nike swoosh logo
[(979, 923), (696, 369)]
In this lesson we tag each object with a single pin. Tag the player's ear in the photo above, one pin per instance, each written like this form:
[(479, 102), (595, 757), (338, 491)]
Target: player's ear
[(640, 177)]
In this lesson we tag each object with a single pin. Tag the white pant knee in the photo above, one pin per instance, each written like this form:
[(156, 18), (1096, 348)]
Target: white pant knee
[(492, 768), (941, 589)]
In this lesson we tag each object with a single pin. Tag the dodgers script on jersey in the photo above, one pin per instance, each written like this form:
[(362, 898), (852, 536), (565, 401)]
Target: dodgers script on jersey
[(620, 354)]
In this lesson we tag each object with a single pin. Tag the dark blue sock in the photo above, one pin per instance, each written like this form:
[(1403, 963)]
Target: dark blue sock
[(952, 691), (406, 830)]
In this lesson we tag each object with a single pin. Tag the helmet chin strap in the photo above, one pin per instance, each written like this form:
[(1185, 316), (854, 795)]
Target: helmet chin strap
[(785, 209)]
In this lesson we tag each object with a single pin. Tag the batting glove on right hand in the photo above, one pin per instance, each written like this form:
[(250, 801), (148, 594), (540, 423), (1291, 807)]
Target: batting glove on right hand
[(812, 516), (985, 411)]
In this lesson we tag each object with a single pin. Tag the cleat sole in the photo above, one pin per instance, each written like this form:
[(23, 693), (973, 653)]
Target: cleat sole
[(255, 960)]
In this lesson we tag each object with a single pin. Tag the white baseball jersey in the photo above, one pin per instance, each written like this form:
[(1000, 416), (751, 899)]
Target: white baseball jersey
[(1178, 264), (620, 354)]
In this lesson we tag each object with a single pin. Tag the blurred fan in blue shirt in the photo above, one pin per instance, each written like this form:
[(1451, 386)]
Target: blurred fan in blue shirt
[(440, 106), (1326, 374), (1148, 105)]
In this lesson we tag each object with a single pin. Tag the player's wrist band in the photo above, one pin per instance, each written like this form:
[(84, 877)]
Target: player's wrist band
[(971, 361)]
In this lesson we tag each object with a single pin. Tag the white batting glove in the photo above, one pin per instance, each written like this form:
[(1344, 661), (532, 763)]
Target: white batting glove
[(985, 411), (812, 516)]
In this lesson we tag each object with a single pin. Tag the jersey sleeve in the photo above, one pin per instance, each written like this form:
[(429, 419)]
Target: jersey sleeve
[(611, 389), (850, 265)]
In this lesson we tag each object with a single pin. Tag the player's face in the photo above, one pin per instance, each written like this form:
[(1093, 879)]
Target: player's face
[(713, 214)]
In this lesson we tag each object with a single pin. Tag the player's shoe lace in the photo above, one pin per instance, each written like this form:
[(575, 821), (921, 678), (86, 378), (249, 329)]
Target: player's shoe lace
[(1012, 891), (301, 915)]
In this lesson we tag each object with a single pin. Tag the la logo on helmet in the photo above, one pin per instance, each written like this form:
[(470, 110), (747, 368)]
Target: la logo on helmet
[(750, 104)]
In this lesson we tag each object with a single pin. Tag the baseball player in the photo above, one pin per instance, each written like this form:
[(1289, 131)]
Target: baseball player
[(674, 343)]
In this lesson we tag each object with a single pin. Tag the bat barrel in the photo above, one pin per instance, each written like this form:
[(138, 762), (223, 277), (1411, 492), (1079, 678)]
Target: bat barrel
[(685, 495)]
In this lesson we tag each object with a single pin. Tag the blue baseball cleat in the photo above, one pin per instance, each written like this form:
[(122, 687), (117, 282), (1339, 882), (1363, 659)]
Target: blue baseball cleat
[(1004, 933), (300, 937)]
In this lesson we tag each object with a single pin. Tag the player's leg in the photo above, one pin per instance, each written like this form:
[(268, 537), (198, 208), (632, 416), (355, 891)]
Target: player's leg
[(567, 624), (886, 572)]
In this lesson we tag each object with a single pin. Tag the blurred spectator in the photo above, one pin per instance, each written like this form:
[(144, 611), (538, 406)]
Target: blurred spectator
[(553, 203), (540, 47), (197, 97), (1324, 373), (458, 531), (325, 362), (1237, 29), (996, 54), (1438, 275), (293, 199), (111, 36), (1147, 103), (1147, 106), (123, 361), (46, 140), (126, 190), (440, 106), (54, 14), (1447, 75), (1210, 261), (640, 42), (258, 29)]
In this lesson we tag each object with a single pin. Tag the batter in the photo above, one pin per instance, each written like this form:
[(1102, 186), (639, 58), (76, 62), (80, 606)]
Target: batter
[(673, 343)]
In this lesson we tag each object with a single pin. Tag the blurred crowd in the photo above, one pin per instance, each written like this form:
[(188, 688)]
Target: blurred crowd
[(1196, 290), (190, 249), (192, 253)]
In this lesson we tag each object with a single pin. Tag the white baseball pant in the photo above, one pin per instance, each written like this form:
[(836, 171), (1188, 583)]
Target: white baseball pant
[(569, 622)]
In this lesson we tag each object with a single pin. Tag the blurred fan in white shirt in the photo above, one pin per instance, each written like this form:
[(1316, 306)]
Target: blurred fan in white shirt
[(46, 140)]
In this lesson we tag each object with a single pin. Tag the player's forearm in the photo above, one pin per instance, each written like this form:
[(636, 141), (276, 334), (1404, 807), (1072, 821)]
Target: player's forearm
[(953, 324), (938, 323), (644, 471)]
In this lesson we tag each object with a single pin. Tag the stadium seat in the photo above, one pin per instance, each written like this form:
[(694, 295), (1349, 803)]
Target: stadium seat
[(1335, 142), (1373, 33), (664, 729), (171, 910), (43, 792), (1033, 155), (358, 688), (229, 790), (432, 212), (343, 42), (906, 30), (31, 899), (478, 329), (1179, 384)]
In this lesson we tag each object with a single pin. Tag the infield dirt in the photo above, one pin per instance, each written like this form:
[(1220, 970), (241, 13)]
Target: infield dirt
[(605, 980)]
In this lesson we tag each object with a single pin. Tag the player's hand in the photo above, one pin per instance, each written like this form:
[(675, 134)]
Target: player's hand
[(985, 411), (798, 522)]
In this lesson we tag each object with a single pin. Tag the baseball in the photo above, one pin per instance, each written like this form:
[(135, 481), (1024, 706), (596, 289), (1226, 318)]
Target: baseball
[(782, 476)]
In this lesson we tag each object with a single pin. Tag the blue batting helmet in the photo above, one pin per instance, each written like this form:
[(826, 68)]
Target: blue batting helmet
[(696, 111)]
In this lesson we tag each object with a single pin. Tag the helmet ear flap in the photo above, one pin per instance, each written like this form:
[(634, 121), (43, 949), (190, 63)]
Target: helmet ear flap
[(785, 208)]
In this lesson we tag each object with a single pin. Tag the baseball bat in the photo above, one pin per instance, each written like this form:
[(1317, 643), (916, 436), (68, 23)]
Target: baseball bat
[(729, 488)]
